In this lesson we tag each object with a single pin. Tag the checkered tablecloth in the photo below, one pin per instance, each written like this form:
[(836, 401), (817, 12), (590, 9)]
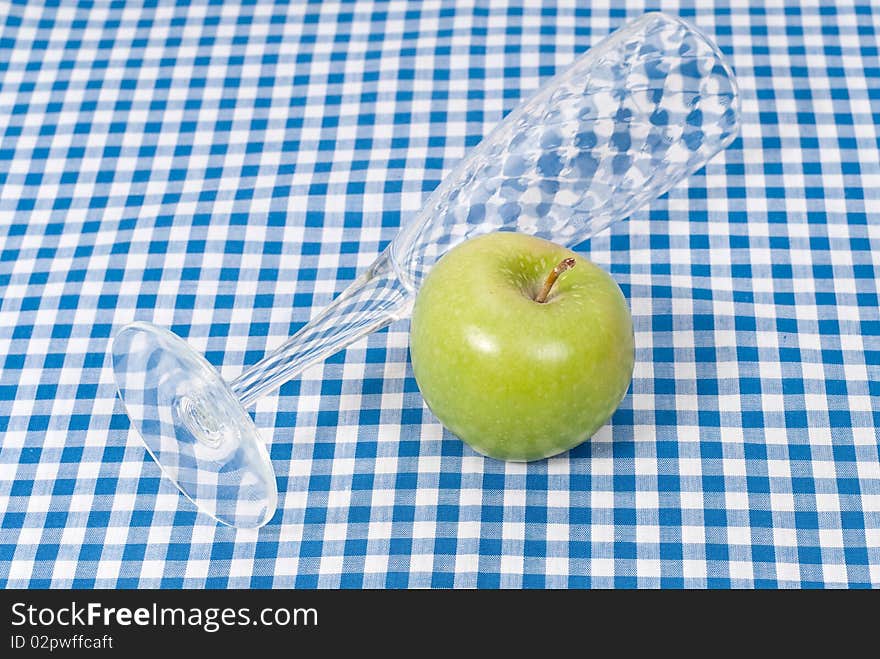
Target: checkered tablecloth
[(225, 169)]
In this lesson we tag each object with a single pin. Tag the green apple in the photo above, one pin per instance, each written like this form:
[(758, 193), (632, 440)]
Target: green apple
[(520, 347)]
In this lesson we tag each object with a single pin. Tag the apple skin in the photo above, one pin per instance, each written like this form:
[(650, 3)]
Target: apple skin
[(514, 378)]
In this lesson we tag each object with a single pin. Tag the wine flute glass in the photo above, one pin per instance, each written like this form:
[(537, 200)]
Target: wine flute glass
[(630, 118)]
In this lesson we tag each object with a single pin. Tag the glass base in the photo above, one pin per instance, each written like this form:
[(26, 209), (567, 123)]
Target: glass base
[(194, 427)]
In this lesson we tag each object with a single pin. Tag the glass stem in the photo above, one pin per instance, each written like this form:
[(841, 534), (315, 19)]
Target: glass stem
[(371, 302)]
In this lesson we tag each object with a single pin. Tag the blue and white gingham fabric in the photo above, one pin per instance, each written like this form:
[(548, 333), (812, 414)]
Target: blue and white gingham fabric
[(225, 169)]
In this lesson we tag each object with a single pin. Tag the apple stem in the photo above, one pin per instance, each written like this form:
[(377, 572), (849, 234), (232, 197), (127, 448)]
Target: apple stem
[(565, 264)]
